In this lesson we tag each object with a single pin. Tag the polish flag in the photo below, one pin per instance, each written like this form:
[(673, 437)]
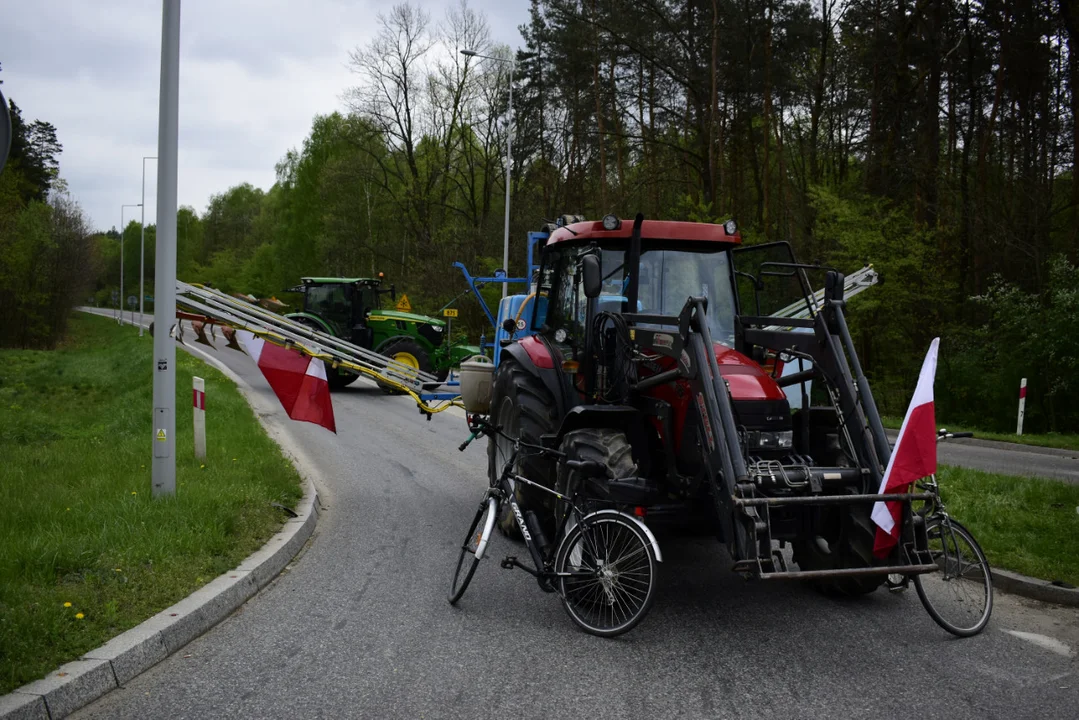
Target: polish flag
[(298, 381), (913, 457)]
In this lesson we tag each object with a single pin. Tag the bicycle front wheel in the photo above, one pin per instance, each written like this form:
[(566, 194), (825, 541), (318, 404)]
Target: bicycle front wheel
[(606, 569), (959, 596), (473, 548)]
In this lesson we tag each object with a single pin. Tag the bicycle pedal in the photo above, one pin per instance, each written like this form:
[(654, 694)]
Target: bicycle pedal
[(509, 562)]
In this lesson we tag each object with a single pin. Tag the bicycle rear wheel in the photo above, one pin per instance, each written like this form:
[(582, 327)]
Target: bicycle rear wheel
[(606, 570), (959, 597), (473, 548)]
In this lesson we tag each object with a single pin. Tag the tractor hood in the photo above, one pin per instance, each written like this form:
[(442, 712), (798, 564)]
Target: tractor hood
[(745, 378), (405, 317)]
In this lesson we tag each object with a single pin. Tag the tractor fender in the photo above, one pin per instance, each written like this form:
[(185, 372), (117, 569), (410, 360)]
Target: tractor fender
[(625, 418), (301, 317), (537, 361)]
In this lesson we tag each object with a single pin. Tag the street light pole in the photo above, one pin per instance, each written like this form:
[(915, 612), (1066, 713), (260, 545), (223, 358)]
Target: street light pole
[(142, 244), (122, 208), (163, 475), (509, 161)]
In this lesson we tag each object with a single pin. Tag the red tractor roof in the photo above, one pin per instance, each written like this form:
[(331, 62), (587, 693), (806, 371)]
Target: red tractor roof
[(650, 230)]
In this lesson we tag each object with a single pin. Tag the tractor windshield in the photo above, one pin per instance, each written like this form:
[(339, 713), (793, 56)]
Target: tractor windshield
[(668, 278)]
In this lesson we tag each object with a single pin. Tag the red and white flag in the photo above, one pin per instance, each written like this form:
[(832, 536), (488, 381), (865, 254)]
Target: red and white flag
[(913, 457), (298, 381)]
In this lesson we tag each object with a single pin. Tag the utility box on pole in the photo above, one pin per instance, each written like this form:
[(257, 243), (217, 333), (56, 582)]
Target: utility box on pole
[(164, 455)]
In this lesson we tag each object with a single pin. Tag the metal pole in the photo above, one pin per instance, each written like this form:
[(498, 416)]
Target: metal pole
[(121, 303), (164, 425), (142, 245), (509, 164)]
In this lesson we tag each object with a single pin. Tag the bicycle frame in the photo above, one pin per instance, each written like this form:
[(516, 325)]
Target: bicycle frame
[(503, 491)]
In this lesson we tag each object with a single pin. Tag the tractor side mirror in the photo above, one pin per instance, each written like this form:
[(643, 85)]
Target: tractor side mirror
[(593, 278)]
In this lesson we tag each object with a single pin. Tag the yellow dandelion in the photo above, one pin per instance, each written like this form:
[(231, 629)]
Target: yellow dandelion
[(79, 616), (233, 459), (67, 604), (117, 570), (202, 467), (68, 510), (134, 492)]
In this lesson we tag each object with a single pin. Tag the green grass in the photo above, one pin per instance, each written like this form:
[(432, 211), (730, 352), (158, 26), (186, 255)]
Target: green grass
[(1061, 441), (77, 522), (1028, 525)]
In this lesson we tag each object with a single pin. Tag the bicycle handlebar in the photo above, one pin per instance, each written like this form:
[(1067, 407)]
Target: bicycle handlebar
[(943, 434)]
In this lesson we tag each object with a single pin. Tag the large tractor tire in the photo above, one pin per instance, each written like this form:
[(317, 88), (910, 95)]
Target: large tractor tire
[(840, 537), (523, 407), (610, 447), (407, 352)]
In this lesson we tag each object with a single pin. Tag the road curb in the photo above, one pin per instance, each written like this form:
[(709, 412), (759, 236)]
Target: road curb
[(1001, 445), (80, 682), (1034, 589)]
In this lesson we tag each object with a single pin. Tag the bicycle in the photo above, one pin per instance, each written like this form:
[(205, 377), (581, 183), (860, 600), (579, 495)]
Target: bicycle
[(604, 566), (959, 597)]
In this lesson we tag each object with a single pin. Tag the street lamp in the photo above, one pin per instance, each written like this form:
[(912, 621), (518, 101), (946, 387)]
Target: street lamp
[(122, 208), (142, 243), (509, 158)]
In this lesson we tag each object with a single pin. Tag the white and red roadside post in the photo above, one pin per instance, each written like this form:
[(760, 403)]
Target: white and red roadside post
[(198, 399), (1022, 405)]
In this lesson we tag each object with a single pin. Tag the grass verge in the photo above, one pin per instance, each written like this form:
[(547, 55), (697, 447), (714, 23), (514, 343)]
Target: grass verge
[(1028, 525), (1061, 441), (85, 553)]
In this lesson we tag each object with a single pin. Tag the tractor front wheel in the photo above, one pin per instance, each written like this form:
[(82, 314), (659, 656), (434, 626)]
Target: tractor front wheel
[(840, 536), (522, 406), (610, 447), (409, 353)]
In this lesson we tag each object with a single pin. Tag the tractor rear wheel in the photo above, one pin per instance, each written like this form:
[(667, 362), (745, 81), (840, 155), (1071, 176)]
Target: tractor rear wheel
[(339, 378), (840, 537), (523, 407)]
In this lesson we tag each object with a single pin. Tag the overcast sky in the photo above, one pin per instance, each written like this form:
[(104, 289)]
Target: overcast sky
[(253, 73)]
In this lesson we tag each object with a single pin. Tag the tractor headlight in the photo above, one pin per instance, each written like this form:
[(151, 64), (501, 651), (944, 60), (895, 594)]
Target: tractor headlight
[(729, 227), (767, 440), (611, 222)]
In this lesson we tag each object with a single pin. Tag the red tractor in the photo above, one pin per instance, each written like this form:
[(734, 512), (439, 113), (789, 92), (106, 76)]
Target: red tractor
[(654, 353)]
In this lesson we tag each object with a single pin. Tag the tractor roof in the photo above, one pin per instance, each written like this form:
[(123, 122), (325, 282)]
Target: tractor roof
[(334, 280), (650, 230)]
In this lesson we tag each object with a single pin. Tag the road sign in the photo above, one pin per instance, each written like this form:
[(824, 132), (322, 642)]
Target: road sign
[(403, 304), (449, 312), (132, 301)]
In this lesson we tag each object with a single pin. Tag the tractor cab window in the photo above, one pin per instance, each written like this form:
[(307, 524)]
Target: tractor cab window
[(331, 302), (668, 279), (369, 302), (559, 307)]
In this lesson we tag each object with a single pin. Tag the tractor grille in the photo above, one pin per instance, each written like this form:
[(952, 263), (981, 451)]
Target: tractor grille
[(765, 424)]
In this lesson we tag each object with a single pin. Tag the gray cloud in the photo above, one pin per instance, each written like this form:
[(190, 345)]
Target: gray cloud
[(253, 74)]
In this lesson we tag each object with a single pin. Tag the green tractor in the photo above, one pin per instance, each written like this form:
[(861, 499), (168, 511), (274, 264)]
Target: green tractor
[(351, 309)]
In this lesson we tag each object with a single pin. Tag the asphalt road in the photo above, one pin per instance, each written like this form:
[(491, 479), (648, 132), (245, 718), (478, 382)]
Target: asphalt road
[(358, 626)]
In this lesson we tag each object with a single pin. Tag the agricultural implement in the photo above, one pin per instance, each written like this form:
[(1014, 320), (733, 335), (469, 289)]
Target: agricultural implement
[(206, 308)]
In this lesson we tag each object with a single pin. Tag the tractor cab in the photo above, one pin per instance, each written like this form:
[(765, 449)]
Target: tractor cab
[(344, 304)]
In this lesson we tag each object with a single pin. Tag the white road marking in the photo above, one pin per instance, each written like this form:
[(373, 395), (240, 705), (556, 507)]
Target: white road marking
[(1043, 641)]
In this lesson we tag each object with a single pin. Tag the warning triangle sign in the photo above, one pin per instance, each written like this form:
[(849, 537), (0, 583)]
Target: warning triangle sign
[(161, 435), (403, 304)]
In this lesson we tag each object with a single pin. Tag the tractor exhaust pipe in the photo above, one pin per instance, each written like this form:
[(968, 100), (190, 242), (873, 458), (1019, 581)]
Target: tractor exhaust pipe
[(633, 262)]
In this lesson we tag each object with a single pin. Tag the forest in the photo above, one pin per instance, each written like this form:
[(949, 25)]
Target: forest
[(935, 139)]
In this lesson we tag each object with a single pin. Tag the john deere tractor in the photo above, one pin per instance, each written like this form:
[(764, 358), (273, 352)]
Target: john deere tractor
[(351, 309)]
